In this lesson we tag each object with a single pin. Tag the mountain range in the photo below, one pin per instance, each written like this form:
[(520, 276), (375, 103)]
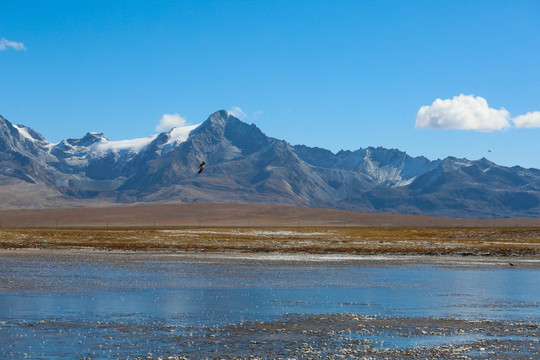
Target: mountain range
[(246, 166)]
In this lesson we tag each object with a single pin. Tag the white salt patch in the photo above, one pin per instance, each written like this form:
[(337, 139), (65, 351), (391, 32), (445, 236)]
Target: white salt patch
[(266, 233), (282, 233)]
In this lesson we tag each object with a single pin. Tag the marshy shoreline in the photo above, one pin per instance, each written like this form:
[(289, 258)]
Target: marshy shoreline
[(487, 242), (270, 292)]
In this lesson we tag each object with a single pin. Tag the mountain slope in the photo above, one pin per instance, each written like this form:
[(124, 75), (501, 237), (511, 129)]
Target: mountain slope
[(245, 165)]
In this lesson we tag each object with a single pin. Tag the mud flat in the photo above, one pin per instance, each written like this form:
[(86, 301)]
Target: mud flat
[(327, 336), (339, 336)]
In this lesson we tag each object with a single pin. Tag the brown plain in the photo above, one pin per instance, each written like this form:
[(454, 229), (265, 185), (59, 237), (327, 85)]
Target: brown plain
[(209, 227)]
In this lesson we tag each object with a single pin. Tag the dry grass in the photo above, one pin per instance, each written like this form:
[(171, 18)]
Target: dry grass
[(414, 241)]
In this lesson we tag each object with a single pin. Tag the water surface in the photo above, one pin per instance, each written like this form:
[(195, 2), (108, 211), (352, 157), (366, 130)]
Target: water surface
[(121, 305)]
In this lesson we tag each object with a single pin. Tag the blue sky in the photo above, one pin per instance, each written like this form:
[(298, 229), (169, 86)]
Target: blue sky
[(333, 74)]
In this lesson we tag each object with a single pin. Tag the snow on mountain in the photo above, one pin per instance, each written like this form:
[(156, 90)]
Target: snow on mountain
[(94, 145), (24, 132), (389, 167), (133, 145), (101, 144), (180, 134)]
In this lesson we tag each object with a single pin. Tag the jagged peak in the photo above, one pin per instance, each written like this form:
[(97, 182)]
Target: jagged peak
[(216, 120), (90, 138), (485, 163), (220, 120), (94, 135), (219, 117), (343, 152), (313, 148), (29, 133), (21, 135), (452, 162), (453, 159), (223, 114)]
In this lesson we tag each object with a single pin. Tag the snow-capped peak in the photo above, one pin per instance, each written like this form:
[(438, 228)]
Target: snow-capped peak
[(180, 134), (177, 135), (24, 132), (135, 145)]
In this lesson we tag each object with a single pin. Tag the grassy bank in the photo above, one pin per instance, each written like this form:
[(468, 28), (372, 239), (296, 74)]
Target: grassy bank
[(419, 241)]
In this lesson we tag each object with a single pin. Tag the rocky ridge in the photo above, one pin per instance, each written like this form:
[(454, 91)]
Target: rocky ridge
[(245, 165)]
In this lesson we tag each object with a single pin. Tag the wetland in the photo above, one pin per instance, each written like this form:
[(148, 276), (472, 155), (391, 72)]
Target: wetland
[(241, 293)]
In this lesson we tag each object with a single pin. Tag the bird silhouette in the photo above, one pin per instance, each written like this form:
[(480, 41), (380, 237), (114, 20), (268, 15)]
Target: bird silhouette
[(201, 167)]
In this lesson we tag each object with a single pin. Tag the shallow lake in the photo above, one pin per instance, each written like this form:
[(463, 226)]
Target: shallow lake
[(121, 305)]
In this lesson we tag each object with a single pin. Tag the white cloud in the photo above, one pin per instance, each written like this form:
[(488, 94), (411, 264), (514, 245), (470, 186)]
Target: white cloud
[(529, 120), (237, 112), (5, 44), (463, 112), (169, 121)]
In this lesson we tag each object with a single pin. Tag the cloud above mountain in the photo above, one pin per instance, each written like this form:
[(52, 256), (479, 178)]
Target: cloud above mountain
[(469, 112), (5, 44), (169, 121), (463, 112), (529, 120)]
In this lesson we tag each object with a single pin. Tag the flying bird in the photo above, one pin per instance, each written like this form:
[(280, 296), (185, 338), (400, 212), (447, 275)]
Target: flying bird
[(490, 150), (201, 167)]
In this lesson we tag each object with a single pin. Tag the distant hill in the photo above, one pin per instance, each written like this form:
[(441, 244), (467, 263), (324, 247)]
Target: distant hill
[(246, 166)]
